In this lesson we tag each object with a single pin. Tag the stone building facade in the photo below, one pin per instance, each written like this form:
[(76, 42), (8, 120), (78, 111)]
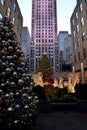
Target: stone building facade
[(12, 10), (79, 37)]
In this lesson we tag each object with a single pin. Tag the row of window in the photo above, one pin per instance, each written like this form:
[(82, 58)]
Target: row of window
[(3, 3), (44, 41), (13, 19), (82, 21), (78, 41), (79, 55)]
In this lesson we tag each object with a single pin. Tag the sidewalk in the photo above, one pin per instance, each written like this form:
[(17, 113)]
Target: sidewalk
[(61, 120)]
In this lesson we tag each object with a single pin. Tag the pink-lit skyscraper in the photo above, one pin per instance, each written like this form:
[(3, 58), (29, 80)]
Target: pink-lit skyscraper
[(44, 38)]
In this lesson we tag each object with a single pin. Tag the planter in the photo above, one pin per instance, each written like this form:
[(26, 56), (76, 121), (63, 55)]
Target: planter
[(82, 105), (64, 106)]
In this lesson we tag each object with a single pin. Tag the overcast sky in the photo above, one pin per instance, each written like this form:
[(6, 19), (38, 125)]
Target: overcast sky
[(64, 11)]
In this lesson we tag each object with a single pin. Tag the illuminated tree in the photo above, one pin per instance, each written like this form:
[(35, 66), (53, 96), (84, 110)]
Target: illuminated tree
[(45, 68)]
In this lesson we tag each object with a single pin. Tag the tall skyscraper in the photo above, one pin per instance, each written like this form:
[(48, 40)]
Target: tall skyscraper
[(44, 33)]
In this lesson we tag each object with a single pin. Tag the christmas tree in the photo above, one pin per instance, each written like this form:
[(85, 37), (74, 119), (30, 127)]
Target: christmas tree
[(18, 102), (45, 68)]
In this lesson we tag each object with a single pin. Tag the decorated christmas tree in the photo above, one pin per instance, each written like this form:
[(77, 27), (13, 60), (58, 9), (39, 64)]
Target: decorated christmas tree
[(18, 102), (45, 68)]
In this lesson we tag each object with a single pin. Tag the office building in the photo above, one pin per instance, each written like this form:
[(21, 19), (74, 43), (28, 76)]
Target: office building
[(61, 37), (44, 33), (68, 54), (79, 37), (26, 45)]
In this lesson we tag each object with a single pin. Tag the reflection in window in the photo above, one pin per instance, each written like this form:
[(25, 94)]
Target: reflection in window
[(76, 15), (1, 16), (82, 21), (74, 34), (13, 20), (73, 21), (77, 28), (81, 7), (78, 41), (2, 2), (83, 36), (8, 11), (14, 7)]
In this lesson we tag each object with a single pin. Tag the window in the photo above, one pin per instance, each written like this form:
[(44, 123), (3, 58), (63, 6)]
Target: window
[(74, 33), (82, 21), (78, 41), (84, 52), (77, 28), (2, 2), (81, 7), (83, 36), (75, 58), (13, 20), (73, 22), (76, 15), (79, 55), (8, 11), (1, 16), (74, 46), (14, 7)]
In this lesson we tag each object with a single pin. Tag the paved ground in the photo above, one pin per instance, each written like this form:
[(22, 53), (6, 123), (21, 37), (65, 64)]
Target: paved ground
[(61, 120)]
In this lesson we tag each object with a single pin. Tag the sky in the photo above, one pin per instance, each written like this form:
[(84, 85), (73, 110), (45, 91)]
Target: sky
[(64, 11)]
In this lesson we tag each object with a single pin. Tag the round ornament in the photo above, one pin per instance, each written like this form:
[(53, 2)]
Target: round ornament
[(3, 85), (13, 84), (10, 109), (8, 70), (3, 64), (14, 74), (14, 57), (10, 48), (3, 74)]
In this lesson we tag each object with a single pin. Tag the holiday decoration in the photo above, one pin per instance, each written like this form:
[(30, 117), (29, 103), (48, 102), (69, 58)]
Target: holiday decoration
[(18, 102), (46, 69)]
